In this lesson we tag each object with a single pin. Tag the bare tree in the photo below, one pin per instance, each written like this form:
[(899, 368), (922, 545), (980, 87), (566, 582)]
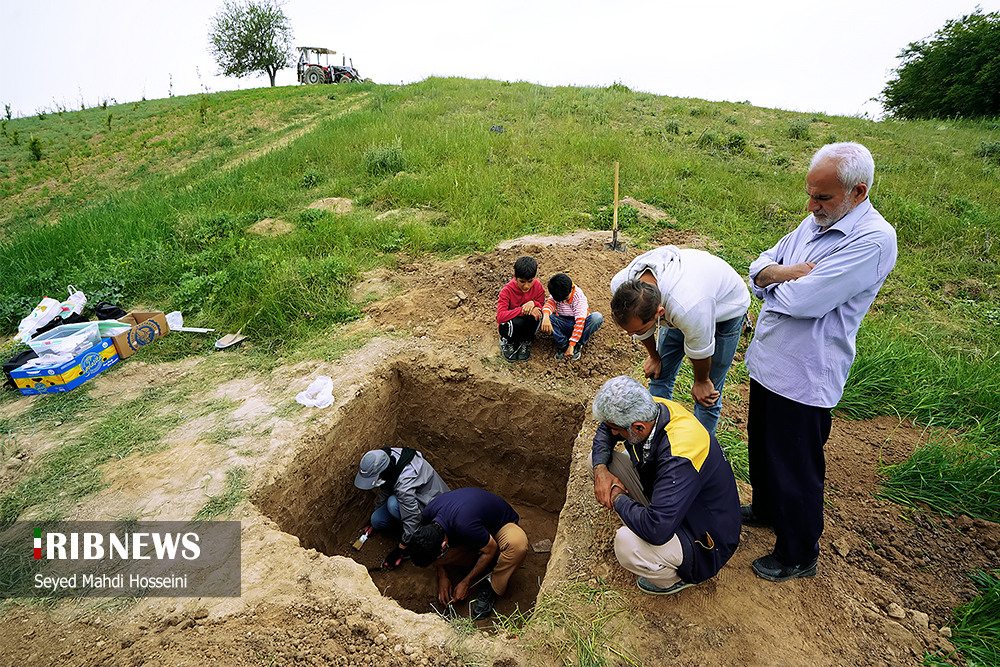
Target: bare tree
[(250, 36)]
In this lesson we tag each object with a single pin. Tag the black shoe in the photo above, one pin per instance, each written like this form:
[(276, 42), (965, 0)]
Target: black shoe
[(483, 606), (748, 518), (768, 567), (524, 352), (508, 350)]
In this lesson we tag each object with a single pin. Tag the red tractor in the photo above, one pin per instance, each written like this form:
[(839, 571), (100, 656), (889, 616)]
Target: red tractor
[(310, 70)]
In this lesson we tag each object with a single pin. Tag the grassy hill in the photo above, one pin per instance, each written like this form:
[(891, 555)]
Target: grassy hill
[(149, 204)]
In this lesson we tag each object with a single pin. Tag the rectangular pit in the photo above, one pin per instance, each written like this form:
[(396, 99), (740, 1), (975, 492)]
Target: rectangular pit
[(507, 439)]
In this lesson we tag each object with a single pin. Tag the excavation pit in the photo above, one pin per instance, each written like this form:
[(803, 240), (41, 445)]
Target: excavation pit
[(508, 439)]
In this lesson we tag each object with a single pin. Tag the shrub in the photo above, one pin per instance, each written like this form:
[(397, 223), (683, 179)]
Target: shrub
[(35, 148), (385, 159), (737, 143), (672, 127), (989, 149), (310, 179), (798, 129)]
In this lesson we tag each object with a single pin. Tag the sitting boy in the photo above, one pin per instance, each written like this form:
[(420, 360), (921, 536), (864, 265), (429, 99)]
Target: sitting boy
[(572, 323), (519, 309)]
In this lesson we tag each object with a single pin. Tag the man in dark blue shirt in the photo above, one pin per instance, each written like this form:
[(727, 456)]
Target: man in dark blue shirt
[(674, 489), (470, 525)]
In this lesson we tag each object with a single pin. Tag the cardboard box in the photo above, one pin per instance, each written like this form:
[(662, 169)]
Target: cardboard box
[(68, 375), (146, 327)]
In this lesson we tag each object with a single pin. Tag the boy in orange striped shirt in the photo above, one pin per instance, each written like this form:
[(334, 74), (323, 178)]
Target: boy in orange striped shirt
[(567, 317)]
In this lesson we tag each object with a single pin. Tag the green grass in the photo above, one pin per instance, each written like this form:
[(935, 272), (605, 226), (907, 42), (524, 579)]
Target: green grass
[(976, 632), (579, 624), (71, 471), (224, 503)]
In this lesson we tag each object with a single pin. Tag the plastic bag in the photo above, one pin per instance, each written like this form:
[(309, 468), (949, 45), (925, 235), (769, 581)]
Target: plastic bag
[(46, 310), (318, 395), (71, 339), (74, 304), (175, 320)]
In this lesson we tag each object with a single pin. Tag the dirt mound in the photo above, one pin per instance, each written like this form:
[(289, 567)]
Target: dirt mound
[(888, 576)]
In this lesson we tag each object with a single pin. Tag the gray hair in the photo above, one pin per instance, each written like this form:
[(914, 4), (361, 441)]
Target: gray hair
[(854, 163), (622, 402)]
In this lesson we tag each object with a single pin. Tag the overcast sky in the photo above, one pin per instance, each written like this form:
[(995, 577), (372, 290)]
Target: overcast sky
[(803, 56)]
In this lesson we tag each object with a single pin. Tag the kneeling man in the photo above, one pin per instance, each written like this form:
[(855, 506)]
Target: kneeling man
[(470, 526), (674, 488)]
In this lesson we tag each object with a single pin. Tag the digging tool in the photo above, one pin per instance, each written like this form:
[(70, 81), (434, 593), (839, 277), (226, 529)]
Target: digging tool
[(615, 245), (365, 534), (230, 339)]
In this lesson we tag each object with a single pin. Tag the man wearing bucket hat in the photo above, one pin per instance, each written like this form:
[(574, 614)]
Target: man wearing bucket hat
[(406, 484)]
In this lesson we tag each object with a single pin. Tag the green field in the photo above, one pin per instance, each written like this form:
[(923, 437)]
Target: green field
[(148, 204)]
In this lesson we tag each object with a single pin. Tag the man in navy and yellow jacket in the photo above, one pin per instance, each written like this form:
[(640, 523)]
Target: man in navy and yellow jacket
[(673, 488)]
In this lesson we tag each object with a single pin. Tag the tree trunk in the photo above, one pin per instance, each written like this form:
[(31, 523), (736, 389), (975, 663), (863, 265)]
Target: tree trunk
[(271, 73)]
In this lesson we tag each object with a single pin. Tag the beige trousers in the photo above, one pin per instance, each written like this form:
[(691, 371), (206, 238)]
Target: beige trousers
[(657, 563), (513, 545)]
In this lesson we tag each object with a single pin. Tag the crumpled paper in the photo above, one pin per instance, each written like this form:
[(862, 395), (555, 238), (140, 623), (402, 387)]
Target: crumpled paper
[(319, 394)]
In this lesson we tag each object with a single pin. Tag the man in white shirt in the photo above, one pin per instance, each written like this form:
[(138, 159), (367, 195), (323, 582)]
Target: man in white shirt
[(699, 303)]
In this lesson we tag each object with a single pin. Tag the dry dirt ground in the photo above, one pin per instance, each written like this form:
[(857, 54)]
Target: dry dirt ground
[(433, 379)]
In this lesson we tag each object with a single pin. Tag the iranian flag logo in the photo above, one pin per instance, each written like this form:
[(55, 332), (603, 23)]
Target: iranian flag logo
[(38, 543)]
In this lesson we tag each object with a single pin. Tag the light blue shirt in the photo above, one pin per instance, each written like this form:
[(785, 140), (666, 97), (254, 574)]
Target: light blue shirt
[(804, 341)]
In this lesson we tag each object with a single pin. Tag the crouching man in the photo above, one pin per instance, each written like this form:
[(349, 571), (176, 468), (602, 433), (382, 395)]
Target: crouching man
[(471, 527), (674, 488)]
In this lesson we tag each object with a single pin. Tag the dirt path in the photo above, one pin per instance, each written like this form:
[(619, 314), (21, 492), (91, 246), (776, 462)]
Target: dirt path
[(888, 578)]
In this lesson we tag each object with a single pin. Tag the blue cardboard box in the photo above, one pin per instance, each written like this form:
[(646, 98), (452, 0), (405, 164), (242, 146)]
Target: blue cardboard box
[(68, 375)]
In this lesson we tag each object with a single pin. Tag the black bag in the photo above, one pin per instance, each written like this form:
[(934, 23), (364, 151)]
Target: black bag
[(72, 318), (14, 363), (108, 311)]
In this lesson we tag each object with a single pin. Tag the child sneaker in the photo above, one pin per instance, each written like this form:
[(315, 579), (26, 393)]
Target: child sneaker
[(508, 350), (524, 351)]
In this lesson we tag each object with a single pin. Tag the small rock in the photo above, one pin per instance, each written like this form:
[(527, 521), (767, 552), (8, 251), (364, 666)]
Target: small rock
[(461, 295), (842, 547), (945, 632), (542, 546), (895, 611), (921, 619)]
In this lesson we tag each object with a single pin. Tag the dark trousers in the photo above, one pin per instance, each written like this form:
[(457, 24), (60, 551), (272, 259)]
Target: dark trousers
[(520, 329), (787, 469)]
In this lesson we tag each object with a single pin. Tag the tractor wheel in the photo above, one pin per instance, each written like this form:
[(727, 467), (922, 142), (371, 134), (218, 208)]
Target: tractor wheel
[(315, 75)]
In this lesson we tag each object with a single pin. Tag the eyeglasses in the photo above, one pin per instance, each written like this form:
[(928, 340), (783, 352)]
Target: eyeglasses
[(444, 551)]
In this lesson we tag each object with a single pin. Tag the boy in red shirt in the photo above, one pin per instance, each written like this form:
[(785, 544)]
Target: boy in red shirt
[(567, 317), (519, 310)]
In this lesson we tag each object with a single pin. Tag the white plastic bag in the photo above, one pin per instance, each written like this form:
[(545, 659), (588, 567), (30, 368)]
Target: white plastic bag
[(175, 320), (318, 395), (74, 304), (44, 312)]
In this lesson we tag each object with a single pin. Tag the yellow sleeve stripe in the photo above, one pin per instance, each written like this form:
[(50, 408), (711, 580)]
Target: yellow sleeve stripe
[(688, 438)]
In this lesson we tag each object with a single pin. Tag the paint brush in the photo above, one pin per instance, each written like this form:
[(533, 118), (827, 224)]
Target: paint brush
[(365, 534)]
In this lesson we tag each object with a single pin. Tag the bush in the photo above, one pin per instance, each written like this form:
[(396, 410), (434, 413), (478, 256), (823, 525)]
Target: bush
[(385, 159), (310, 179), (798, 129), (35, 148), (989, 149)]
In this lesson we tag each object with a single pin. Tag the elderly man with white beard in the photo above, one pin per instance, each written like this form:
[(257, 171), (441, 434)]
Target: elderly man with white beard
[(817, 283)]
